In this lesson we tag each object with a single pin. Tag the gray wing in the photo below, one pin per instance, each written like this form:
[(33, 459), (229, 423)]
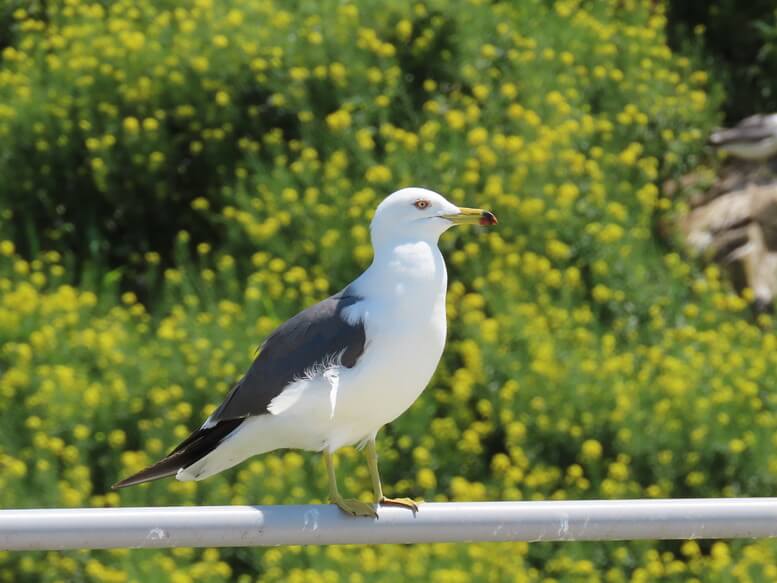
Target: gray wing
[(751, 129), (310, 338), (314, 336)]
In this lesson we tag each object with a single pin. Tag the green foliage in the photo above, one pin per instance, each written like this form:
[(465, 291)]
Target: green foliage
[(739, 42), (229, 156), (766, 59)]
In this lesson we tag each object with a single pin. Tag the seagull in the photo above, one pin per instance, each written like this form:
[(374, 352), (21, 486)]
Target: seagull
[(753, 138), (338, 371)]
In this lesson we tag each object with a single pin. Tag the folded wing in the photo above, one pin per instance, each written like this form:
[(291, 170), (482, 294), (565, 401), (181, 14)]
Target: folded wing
[(315, 336)]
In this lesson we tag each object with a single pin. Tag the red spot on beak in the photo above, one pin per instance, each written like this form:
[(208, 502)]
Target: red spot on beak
[(488, 219)]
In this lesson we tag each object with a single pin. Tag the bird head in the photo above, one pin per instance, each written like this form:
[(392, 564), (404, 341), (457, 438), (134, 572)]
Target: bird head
[(421, 214)]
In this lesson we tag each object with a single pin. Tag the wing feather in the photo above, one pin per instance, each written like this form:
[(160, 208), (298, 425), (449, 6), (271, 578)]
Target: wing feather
[(310, 339), (313, 338)]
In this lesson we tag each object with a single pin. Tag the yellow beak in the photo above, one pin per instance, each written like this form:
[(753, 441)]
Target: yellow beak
[(472, 217)]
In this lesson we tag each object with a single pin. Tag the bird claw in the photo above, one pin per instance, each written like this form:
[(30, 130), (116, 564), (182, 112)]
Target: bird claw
[(356, 507), (404, 502)]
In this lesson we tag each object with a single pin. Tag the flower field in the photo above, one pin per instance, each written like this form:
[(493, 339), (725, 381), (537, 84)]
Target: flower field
[(180, 177)]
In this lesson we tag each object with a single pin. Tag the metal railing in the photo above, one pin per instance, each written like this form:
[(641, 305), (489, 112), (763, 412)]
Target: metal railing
[(223, 526)]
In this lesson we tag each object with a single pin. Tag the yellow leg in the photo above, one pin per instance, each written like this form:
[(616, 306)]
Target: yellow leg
[(351, 506), (372, 463)]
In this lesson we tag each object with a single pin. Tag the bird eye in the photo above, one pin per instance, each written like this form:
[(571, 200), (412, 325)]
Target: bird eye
[(421, 204)]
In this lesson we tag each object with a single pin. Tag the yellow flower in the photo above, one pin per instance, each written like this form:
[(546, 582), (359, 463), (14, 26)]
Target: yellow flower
[(134, 40), (481, 91), (339, 120), (222, 98), (200, 203), (378, 174), (737, 446), (558, 249), (298, 73), (404, 29), (7, 248), (116, 438), (567, 194), (591, 449), (456, 119), (509, 90), (477, 136), (200, 64), (235, 18), (131, 125), (338, 72), (150, 124), (426, 479)]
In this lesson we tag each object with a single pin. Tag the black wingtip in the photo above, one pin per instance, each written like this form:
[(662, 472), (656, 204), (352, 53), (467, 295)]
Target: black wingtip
[(199, 444), (127, 482), (147, 475)]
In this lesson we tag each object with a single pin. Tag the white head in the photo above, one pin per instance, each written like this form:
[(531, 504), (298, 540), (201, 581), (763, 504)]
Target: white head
[(418, 214)]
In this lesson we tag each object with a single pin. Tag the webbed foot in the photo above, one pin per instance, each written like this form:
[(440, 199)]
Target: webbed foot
[(404, 502), (356, 507)]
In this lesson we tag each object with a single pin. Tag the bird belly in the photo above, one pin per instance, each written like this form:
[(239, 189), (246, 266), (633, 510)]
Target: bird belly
[(391, 375), (343, 406), (338, 408)]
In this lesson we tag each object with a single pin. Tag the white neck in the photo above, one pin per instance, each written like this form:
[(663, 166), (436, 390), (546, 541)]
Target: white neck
[(412, 271)]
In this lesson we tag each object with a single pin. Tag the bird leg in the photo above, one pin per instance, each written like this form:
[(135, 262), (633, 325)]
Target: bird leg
[(350, 505), (372, 463)]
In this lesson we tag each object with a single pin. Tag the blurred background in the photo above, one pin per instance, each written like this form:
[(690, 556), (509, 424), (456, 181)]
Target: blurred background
[(177, 178)]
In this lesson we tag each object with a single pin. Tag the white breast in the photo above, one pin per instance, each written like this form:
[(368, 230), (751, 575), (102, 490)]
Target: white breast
[(404, 318)]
